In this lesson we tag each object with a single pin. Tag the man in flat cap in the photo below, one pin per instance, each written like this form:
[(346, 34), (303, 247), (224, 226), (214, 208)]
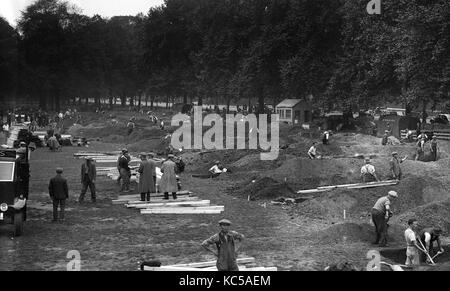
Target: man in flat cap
[(59, 192), (381, 213), (225, 242), (169, 178), (146, 182), (394, 165), (88, 177), (124, 170)]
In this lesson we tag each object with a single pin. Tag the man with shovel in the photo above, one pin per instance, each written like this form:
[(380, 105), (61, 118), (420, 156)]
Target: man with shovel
[(412, 246), (427, 237)]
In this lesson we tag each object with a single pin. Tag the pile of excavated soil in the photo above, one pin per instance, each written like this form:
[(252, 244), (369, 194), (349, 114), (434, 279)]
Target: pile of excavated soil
[(201, 162), (304, 173), (413, 191), (352, 232), (261, 189), (432, 214)]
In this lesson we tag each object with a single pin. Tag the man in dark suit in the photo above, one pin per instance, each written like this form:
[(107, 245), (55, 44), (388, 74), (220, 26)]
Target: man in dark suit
[(88, 177), (59, 192)]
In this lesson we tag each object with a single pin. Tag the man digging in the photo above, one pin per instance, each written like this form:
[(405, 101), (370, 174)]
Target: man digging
[(225, 242), (428, 237), (368, 172), (381, 212)]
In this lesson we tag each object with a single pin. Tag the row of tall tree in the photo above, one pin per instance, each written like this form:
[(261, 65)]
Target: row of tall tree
[(223, 51)]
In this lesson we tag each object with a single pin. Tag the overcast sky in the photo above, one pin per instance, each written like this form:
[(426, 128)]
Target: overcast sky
[(10, 9)]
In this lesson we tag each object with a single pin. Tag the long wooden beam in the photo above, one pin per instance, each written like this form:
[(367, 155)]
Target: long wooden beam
[(181, 209), (132, 204), (350, 186), (248, 260), (173, 204)]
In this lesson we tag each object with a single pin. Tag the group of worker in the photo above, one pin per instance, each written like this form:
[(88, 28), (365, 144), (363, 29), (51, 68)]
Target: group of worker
[(416, 240), (147, 174)]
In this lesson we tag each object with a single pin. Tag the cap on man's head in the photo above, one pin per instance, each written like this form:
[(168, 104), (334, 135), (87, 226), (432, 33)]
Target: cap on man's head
[(217, 162), (411, 221), (124, 151), (22, 143), (143, 155), (171, 156), (394, 153), (434, 137), (367, 160), (224, 222), (59, 170), (393, 194)]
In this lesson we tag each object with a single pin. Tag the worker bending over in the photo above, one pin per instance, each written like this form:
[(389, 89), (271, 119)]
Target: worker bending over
[(368, 173), (381, 213), (312, 153), (428, 237)]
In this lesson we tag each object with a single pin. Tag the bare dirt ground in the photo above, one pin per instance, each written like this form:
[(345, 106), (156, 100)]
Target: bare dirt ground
[(306, 236)]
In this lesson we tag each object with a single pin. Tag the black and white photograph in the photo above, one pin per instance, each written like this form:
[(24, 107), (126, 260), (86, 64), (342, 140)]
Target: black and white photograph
[(205, 137)]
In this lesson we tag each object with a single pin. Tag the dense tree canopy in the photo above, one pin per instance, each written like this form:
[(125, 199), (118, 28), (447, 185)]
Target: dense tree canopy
[(222, 51)]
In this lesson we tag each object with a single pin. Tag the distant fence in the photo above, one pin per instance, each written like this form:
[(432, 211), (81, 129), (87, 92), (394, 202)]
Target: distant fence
[(442, 134)]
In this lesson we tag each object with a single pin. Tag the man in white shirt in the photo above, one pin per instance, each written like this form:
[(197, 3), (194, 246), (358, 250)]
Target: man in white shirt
[(312, 153), (368, 173), (412, 248), (217, 169)]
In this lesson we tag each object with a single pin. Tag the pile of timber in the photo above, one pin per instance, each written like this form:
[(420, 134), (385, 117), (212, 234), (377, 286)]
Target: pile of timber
[(104, 158), (185, 204), (350, 186), (13, 135), (245, 264)]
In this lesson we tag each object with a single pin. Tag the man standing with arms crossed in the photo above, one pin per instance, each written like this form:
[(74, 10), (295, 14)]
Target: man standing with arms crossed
[(225, 242), (381, 212)]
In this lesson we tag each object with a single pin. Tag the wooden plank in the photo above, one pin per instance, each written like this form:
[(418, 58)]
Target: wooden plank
[(182, 209), (179, 212), (138, 196), (173, 204), (356, 184), (160, 200), (312, 191), (249, 260)]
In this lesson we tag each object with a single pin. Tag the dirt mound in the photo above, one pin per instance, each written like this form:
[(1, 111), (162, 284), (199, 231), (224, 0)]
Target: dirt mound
[(262, 188), (432, 214), (201, 162), (308, 174), (413, 191), (352, 232)]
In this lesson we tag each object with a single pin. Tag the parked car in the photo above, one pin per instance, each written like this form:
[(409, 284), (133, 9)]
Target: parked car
[(441, 119)]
